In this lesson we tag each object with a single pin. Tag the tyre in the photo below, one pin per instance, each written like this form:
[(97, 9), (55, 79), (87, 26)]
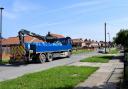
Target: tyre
[(69, 54), (34, 58), (12, 60), (49, 57), (42, 57)]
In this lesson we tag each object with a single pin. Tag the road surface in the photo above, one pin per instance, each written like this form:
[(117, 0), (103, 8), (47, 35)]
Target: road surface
[(10, 72)]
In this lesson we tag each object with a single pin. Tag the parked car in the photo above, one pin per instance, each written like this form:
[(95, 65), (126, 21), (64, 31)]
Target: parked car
[(121, 51)]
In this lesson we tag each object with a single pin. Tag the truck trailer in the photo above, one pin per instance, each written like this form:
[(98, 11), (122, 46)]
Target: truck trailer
[(50, 48)]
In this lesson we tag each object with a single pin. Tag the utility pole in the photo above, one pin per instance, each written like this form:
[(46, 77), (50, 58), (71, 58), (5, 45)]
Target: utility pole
[(105, 35), (109, 41), (1, 8)]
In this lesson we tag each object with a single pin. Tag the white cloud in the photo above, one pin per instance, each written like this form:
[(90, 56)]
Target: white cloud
[(18, 7), (90, 7), (24, 6), (78, 5), (42, 25), (90, 3)]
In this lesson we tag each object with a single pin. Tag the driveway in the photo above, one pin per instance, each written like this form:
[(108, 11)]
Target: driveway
[(10, 72)]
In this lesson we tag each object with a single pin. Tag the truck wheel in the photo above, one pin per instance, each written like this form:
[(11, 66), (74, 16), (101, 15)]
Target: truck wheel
[(42, 58), (49, 57), (69, 54)]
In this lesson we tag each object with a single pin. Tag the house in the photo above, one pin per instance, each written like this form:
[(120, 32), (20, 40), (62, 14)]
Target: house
[(87, 43), (55, 35), (78, 42), (15, 40), (94, 44), (6, 43), (101, 44), (91, 44)]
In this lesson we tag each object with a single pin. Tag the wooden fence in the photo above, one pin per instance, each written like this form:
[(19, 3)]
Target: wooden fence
[(5, 52)]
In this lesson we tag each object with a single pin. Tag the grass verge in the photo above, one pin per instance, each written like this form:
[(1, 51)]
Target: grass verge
[(113, 51), (63, 77), (99, 59), (81, 51)]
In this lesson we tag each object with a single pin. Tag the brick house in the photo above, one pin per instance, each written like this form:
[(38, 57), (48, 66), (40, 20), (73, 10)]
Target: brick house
[(94, 44), (91, 43), (55, 35), (102, 44), (87, 43), (6, 43), (78, 42)]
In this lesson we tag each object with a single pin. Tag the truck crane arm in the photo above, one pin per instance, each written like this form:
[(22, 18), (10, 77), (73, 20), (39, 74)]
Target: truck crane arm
[(23, 32)]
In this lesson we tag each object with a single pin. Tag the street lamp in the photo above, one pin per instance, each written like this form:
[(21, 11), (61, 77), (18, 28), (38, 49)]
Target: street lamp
[(1, 8)]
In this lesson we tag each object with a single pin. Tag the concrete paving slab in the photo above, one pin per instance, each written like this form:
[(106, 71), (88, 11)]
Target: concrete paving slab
[(106, 77)]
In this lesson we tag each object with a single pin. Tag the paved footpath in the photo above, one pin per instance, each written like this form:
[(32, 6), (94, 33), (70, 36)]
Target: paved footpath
[(106, 77)]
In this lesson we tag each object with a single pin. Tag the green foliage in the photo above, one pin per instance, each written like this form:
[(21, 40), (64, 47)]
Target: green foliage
[(81, 51), (113, 51), (122, 38), (62, 77), (99, 59)]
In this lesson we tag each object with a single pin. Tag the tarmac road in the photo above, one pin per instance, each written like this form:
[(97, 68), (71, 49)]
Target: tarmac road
[(11, 71)]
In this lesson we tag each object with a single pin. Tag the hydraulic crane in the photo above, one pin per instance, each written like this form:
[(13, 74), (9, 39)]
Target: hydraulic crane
[(49, 48)]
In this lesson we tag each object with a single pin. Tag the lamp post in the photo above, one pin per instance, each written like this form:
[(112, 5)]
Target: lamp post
[(1, 8)]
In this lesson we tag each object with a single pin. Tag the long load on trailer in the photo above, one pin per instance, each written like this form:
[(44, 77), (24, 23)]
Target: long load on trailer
[(48, 47)]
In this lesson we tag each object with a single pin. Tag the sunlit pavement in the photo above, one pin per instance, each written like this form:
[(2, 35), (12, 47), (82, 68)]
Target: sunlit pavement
[(106, 77)]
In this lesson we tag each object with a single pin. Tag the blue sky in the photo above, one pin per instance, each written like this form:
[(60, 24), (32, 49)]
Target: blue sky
[(74, 18)]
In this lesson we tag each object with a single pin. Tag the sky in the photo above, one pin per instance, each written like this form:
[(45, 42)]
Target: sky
[(74, 18)]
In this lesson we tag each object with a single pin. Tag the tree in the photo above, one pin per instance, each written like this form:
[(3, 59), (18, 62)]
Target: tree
[(122, 38)]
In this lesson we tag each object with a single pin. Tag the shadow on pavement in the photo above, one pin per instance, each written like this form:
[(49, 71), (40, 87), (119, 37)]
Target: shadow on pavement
[(119, 57), (106, 57), (16, 64), (104, 86)]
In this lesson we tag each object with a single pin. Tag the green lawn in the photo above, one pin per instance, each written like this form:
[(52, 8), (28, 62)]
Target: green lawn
[(63, 77), (99, 59), (81, 51), (114, 51)]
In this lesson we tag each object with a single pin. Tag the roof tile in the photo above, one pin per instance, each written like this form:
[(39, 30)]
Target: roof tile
[(15, 40)]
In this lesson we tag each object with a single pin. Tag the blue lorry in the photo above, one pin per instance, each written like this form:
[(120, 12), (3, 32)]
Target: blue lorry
[(50, 48)]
